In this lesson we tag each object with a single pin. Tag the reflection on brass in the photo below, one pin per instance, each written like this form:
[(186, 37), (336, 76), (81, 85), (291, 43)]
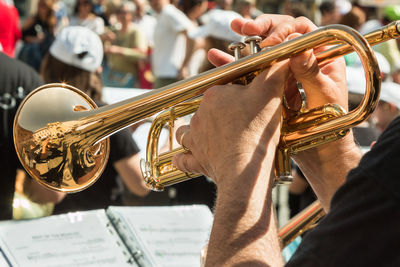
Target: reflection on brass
[(64, 146), (301, 223), (51, 144)]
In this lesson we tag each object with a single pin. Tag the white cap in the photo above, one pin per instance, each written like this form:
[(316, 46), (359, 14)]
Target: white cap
[(355, 80), (390, 93), (344, 6), (218, 25), (78, 46)]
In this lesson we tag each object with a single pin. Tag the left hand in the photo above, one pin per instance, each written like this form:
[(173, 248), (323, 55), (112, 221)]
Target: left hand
[(234, 125)]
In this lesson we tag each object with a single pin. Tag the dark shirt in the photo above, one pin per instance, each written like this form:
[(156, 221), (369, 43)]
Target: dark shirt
[(16, 80), (365, 135), (362, 227), (106, 190), (38, 27)]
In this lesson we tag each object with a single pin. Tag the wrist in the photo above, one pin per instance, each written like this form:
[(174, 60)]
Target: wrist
[(246, 166), (326, 166), (329, 152)]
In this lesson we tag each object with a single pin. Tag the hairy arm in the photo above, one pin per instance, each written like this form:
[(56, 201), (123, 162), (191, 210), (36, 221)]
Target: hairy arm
[(326, 166)]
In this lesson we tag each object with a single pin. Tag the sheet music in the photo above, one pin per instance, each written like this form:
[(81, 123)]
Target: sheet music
[(172, 236), (73, 239)]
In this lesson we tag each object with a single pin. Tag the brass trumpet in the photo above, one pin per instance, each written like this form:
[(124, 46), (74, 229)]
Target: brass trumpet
[(61, 138)]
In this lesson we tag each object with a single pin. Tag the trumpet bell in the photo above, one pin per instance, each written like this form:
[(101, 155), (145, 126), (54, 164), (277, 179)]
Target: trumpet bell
[(45, 118)]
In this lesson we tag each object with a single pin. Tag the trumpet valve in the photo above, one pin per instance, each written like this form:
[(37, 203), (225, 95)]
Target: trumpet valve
[(236, 47), (253, 41)]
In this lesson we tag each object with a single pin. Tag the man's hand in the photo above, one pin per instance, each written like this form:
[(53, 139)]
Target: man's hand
[(234, 125), (322, 84)]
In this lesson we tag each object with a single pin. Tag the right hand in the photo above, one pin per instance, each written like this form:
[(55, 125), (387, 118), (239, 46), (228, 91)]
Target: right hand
[(322, 83), (236, 129)]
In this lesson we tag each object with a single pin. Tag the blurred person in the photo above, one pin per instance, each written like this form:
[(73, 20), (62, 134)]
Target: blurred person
[(247, 8), (355, 18), (295, 9), (194, 9), (16, 81), (125, 47), (38, 34), (329, 13), (172, 47), (217, 33), (100, 10), (10, 31), (224, 4), (84, 16), (61, 13), (75, 58), (388, 107), (388, 49), (333, 10), (146, 22)]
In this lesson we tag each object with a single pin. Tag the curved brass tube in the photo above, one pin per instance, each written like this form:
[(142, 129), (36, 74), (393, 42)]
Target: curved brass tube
[(58, 134), (300, 131), (301, 223)]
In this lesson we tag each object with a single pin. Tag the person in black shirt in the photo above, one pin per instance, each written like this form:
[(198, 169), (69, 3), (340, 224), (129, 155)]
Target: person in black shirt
[(38, 34), (16, 81), (237, 150), (75, 58)]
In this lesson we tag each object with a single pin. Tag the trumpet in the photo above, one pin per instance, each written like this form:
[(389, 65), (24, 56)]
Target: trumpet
[(60, 135)]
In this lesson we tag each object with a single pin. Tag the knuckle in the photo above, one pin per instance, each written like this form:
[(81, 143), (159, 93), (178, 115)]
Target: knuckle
[(303, 19), (194, 121), (180, 131), (185, 163)]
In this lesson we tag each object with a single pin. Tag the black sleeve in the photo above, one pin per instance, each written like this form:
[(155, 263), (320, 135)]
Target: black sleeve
[(362, 227), (122, 146)]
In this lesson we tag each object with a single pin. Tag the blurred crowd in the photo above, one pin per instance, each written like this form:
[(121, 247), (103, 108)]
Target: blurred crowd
[(92, 44)]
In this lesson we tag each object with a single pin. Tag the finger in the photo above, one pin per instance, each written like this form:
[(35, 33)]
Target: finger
[(279, 32), (304, 64), (187, 163), (277, 76), (219, 58), (292, 94), (319, 81), (260, 26), (183, 135)]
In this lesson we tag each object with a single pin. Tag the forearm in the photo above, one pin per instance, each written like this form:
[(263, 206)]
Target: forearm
[(244, 231), (190, 45), (129, 170), (133, 54), (326, 167)]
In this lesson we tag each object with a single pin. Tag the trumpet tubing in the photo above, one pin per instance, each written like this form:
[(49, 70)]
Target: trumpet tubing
[(61, 138)]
